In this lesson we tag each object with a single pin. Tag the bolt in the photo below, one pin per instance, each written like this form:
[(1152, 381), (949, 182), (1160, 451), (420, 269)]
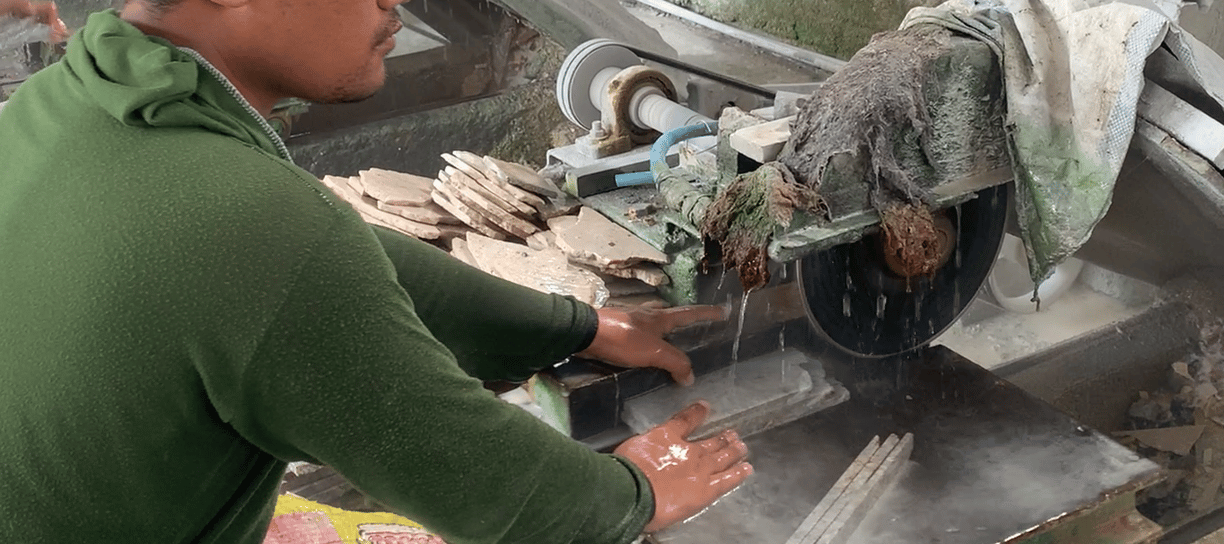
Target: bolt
[(597, 131)]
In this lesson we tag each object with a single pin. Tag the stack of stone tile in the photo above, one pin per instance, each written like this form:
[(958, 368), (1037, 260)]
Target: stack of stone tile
[(498, 199), (585, 255), (508, 221), (398, 201)]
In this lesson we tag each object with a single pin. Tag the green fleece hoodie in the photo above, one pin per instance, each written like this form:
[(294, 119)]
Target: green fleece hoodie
[(182, 311)]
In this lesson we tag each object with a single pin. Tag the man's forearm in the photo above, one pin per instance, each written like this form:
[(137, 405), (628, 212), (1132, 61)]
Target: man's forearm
[(496, 329)]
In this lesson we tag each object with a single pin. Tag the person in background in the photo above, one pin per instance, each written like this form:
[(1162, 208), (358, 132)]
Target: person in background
[(183, 311)]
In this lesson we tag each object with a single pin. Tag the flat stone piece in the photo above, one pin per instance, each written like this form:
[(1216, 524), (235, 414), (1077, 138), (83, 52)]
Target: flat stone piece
[(1177, 440), (475, 161), (459, 250), (462, 165), (597, 240), (368, 209), (740, 395), (492, 213), (448, 202), (562, 222), (546, 271), (489, 190), (647, 273), (523, 177), (542, 240), (556, 207), (396, 187), (354, 183), (429, 213)]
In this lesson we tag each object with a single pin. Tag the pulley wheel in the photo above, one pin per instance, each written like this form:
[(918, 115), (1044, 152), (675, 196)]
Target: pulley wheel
[(578, 73), (856, 300)]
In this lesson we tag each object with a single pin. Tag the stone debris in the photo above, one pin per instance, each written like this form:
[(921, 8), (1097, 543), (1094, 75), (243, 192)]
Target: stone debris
[(508, 221), (490, 191), (1180, 426), (547, 271), (647, 273), (522, 177), (368, 208), (459, 250), (594, 239), (462, 210), (429, 213), (544, 239), (395, 187)]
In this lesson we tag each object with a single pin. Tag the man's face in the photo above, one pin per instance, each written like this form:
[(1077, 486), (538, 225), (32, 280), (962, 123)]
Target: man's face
[(320, 50)]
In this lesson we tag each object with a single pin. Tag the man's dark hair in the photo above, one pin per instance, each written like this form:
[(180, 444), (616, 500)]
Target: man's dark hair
[(161, 6)]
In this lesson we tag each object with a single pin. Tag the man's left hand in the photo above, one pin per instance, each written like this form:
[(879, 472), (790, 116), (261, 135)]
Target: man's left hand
[(633, 338)]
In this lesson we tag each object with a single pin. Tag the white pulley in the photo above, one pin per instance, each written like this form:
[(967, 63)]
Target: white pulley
[(578, 81)]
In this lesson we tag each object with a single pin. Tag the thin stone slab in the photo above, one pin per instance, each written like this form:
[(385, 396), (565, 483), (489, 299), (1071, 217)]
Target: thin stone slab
[(429, 213), (355, 184), (475, 161), (459, 250), (368, 208), (841, 510), (647, 273), (490, 212), (489, 190), (511, 196), (559, 206), (396, 187), (546, 271), (442, 197), (746, 396), (595, 239), (523, 177), (544, 239)]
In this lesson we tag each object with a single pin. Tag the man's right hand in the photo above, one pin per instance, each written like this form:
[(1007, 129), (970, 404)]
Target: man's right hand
[(43, 12), (686, 477)]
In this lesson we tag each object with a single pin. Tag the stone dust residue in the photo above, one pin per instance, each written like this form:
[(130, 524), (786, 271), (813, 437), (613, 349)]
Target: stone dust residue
[(875, 112)]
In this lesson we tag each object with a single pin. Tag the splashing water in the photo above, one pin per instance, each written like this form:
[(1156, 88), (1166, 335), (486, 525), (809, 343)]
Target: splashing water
[(739, 331)]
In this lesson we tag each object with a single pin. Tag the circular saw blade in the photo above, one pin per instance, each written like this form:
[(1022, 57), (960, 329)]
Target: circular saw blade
[(857, 303)]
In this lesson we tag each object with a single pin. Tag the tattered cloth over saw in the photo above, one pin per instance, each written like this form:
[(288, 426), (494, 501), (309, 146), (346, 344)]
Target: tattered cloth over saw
[(1073, 72), (739, 224)]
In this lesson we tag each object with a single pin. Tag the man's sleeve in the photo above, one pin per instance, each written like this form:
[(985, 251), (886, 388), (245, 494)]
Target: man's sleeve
[(349, 376), (498, 330)]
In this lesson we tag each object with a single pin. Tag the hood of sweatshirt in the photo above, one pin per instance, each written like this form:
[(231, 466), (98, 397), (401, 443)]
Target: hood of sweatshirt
[(145, 81)]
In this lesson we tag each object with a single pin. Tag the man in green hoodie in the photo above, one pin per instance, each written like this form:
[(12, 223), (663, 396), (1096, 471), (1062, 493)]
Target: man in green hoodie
[(183, 311)]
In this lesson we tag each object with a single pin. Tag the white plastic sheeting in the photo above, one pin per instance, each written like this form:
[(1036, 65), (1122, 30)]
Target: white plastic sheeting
[(1073, 72)]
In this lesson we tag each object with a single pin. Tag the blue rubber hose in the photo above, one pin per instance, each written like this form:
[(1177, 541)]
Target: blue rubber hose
[(658, 153)]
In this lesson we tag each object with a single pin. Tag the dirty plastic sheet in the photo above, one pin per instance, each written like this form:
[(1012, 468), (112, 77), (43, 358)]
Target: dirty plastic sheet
[(1073, 72)]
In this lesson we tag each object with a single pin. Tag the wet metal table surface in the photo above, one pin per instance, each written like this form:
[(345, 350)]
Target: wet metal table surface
[(990, 462)]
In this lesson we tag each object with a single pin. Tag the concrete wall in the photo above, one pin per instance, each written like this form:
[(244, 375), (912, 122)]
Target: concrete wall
[(837, 28)]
